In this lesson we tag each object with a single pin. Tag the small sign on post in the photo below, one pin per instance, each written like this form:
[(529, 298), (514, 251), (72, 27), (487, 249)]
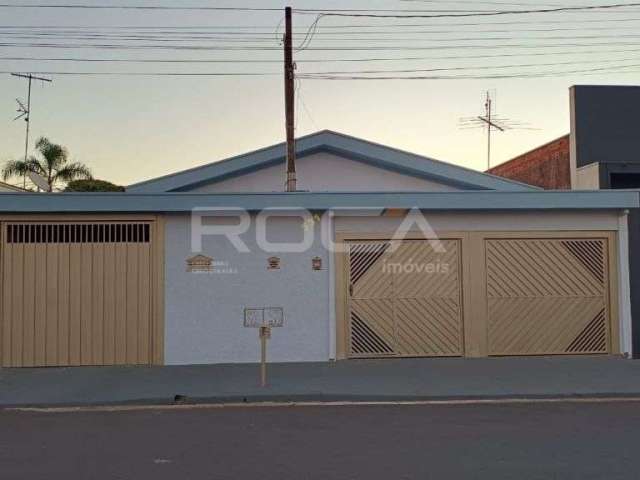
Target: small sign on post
[(264, 319)]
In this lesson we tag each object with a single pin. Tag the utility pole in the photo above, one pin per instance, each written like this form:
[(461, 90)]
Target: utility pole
[(289, 77), (26, 113)]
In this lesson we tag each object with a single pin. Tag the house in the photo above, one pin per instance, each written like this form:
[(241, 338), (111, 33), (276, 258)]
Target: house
[(547, 166), (381, 253), (601, 152)]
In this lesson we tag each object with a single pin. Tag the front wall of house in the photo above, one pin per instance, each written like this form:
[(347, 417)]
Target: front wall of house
[(204, 310), (325, 172)]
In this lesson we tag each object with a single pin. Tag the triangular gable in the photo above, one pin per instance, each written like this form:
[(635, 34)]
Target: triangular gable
[(350, 147)]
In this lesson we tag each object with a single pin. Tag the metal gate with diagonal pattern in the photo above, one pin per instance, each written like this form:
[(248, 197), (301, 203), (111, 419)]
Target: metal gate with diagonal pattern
[(405, 298), (547, 296)]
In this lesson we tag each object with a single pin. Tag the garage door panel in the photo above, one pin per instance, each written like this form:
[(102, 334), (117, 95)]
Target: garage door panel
[(132, 304), (17, 314), (405, 300), (7, 292), (86, 297), (121, 304), (547, 296), (75, 303), (428, 327), (109, 288), (144, 307), (63, 305), (371, 327), (51, 305), (29, 319), (426, 270), (77, 294), (97, 303), (539, 325), (367, 272), (530, 268)]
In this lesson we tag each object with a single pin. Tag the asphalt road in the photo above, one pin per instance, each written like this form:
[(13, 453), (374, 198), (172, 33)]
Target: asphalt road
[(523, 441)]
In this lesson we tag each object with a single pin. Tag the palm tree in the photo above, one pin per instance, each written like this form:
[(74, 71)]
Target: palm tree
[(53, 165)]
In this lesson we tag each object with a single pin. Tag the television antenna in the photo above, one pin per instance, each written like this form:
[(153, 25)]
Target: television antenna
[(24, 111), (491, 122)]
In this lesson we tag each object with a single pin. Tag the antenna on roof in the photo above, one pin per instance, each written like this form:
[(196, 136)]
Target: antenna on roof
[(491, 121), (25, 111)]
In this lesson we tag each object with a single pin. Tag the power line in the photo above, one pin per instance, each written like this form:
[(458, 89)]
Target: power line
[(382, 13), (133, 60), (327, 27), (377, 14), (321, 76), (476, 67), (325, 49), (314, 60), (265, 35), (155, 74), (469, 77), (466, 2), (243, 9), (136, 7), (268, 40)]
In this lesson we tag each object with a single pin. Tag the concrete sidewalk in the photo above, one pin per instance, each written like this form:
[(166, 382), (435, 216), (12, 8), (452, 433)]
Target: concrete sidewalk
[(354, 380)]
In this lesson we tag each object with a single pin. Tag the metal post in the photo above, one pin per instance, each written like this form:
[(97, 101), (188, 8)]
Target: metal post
[(26, 141), (289, 76), (488, 115), (265, 333)]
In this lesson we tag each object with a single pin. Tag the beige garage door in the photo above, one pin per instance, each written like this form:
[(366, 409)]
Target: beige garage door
[(547, 296), (404, 298), (77, 293)]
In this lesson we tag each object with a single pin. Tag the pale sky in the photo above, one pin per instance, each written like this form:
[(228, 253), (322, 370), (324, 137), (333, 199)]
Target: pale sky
[(127, 129)]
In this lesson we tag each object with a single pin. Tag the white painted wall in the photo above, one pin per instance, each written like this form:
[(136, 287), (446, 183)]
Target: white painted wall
[(499, 221), (325, 172), (204, 312), (588, 177), (624, 302)]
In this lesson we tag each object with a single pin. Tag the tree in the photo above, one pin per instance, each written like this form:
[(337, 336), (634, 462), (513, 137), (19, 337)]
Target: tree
[(92, 186), (53, 165)]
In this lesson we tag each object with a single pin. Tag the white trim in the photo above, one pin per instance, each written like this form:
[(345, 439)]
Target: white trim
[(381, 156), (118, 202), (624, 297), (329, 232)]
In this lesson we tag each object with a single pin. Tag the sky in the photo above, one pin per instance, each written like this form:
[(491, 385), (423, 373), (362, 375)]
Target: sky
[(131, 128)]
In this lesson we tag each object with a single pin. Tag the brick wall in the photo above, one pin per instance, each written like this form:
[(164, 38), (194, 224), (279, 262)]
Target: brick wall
[(546, 166)]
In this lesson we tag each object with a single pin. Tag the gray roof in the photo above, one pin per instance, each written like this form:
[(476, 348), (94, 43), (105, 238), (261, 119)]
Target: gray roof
[(351, 147), (434, 201)]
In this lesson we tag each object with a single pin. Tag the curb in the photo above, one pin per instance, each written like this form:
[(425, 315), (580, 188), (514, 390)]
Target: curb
[(185, 402)]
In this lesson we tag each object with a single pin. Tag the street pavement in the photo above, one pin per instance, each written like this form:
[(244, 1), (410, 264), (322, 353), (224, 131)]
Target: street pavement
[(569, 440)]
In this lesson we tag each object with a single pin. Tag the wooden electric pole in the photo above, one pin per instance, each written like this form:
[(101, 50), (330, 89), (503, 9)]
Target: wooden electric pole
[(289, 77)]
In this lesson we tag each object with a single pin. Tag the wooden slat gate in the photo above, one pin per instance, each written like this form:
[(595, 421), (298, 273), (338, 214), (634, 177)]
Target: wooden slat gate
[(76, 293), (404, 298)]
